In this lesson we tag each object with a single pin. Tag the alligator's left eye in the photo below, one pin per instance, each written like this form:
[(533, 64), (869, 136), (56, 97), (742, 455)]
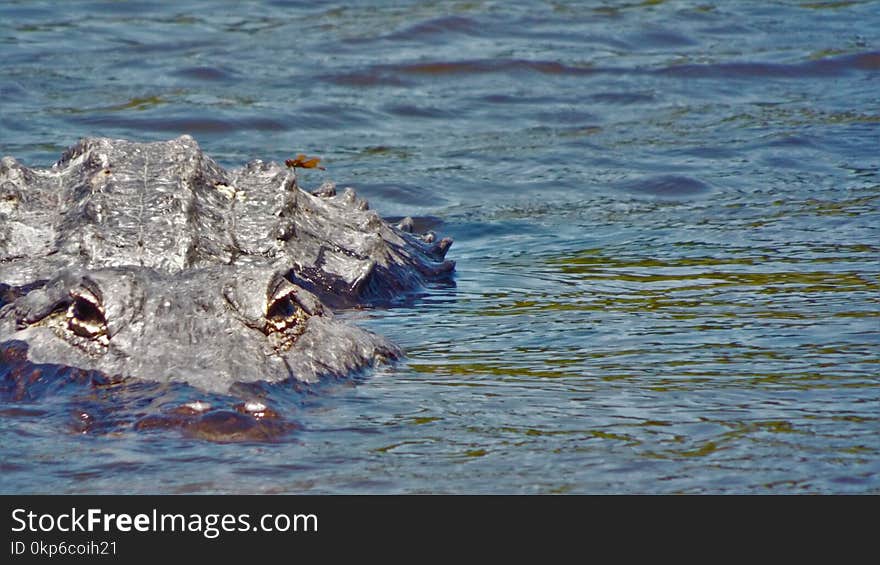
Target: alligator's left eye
[(283, 312), (85, 316)]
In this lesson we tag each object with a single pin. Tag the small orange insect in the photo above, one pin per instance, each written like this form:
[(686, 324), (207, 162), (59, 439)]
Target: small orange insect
[(303, 162)]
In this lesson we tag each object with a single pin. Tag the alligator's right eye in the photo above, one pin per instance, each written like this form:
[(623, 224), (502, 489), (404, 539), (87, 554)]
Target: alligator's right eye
[(85, 316), (283, 312)]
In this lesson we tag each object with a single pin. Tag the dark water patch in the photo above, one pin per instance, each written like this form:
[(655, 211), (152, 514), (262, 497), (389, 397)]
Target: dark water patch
[(182, 125), (571, 118), (401, 74), (820, 68), (7, 466), (12, 90), (413, 111), (140, 47), (491, 66), (516, 99), (667, 186), (385, 151), (790, 140), (17, 412), (437, 29), (397, 74), (80, 476), (622, 98), (256, 24), (864, 61), (210, 74)]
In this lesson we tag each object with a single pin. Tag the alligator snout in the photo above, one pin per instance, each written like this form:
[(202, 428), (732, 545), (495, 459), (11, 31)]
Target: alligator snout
[(151, 261), (247, 421)]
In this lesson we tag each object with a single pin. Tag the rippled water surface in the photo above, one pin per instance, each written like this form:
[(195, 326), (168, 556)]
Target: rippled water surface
[(667, 232)]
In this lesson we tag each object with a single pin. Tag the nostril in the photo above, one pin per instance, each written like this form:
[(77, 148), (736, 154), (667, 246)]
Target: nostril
[(198, 406), (253, 406), (256, 409)]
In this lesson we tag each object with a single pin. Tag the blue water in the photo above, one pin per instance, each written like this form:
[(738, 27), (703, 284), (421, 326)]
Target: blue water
[(666, 218)]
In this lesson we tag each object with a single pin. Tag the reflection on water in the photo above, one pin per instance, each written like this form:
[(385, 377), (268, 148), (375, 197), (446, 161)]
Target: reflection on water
[(666, 216)]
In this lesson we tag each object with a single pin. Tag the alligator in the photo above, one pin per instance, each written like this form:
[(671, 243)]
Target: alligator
[(151, 262)]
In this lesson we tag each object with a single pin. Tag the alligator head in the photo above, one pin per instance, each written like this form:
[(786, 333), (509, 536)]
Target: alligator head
[(150, 261)]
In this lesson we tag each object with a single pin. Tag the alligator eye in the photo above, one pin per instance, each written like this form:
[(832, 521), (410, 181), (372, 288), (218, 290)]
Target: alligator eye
[(283, 312), (85, 316)]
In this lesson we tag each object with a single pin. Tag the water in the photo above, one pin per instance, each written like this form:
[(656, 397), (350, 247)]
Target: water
[(667, 225)]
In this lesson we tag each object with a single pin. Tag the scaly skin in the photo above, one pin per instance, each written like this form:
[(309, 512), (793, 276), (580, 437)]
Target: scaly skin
[(150, 261)]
